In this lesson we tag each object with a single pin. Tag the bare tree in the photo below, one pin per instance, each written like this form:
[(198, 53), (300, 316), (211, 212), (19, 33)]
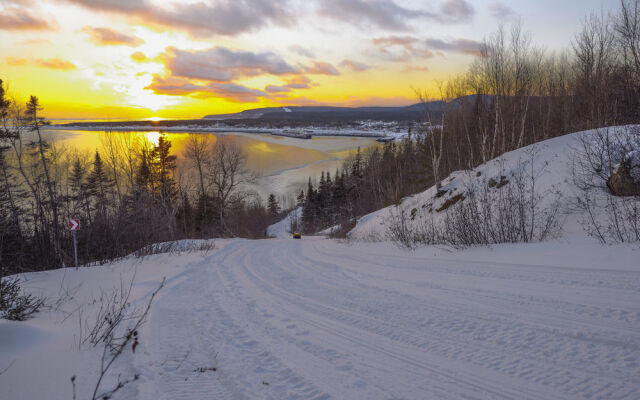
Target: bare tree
[(197, 148), (435, 134), (226, 175)]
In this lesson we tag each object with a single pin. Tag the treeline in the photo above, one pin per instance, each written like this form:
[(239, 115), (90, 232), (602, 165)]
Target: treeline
[(127, 195), (514, 94)]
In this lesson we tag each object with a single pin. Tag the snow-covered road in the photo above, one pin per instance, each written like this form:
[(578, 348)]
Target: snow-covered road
[(315, 319)]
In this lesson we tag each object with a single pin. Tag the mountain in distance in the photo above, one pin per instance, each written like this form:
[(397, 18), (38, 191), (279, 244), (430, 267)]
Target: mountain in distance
[(328, 113), (333, 113)]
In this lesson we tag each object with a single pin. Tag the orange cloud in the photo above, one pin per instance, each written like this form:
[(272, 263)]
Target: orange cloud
[(108, 36), (15, 61), (299, 82), (20, 20), (354, 66), (55, 63), (322, 68), (180, 87), (139, 56), (36, 41)]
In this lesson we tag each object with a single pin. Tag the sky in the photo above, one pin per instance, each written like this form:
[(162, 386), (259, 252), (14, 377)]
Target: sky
[(133, 59)]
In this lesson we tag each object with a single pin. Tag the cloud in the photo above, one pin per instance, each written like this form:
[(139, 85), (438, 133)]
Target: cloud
[(222, 17), (355, 66), (173, 86), (377, 13), (108, 36), (456, 11), (321, 68), (299, 82), (465, 46), (55, 63), (14, 19), (295, 83), (181, 87), (140, 57), (401, 48), (277, 89), (501, 11), (235, 92), (36, 41), (301, 51), (409, 48), (221, 64), (15, 61), (387, 14)]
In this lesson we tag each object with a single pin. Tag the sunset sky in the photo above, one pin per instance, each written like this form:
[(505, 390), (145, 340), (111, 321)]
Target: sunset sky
[(185, 59)]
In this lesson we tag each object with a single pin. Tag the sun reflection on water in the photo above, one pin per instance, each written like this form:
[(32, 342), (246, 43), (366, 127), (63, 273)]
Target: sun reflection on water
[(152, 137)]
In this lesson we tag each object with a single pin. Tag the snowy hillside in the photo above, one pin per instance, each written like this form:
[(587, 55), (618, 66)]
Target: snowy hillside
[(551, 163)]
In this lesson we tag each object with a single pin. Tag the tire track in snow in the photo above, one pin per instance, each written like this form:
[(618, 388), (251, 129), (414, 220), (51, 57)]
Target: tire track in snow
[(316, 320), (543, 367)]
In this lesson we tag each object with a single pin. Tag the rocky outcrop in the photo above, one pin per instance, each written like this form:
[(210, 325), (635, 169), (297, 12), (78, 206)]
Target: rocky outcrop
[(622, 181)]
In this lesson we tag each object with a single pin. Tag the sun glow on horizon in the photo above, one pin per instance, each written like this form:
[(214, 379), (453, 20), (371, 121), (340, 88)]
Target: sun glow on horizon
[(102, 60)]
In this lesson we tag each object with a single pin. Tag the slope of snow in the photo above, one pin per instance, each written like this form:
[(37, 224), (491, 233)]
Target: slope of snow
[(317, 319), (281, 229), (550, 160)]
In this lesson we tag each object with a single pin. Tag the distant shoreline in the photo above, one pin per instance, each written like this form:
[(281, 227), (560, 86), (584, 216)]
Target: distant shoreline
[(306, 133)]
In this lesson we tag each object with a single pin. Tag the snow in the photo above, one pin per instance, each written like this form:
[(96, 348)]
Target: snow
[(551, 160), (281, 229), (319, 319), (324, 319)]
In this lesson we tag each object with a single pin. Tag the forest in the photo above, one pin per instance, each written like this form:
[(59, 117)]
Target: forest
[(513, 95)]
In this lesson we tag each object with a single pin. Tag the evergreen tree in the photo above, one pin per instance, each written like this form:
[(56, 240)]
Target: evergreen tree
[(309, 210), (143, 175), (99, 185), (273, 207), (78, 187), (300, 199), (164, 163)]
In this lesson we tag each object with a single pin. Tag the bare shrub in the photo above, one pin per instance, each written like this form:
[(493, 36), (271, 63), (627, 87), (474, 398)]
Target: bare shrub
[(117, 328), (399, 229), (515, 212), (510, 213), (174, 247), (112, 312), (609, 218)]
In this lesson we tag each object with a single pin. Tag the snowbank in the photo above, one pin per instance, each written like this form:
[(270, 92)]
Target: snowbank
[(550, 161)]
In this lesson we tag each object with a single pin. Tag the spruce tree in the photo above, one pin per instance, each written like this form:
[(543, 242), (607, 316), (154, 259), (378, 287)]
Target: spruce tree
[(300, 199), (273, 207), (164, 163), (99, 185)]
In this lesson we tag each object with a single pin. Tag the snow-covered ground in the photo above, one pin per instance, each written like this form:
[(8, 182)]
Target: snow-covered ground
[(318, 319)]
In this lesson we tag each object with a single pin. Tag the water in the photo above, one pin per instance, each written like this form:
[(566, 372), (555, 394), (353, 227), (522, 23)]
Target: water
[(283, 164)]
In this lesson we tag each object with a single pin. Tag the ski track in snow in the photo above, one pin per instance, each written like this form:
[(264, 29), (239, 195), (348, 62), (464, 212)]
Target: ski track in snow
[(315, 319)]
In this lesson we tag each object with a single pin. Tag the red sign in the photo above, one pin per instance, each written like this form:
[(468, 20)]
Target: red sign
[(74, 224)]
